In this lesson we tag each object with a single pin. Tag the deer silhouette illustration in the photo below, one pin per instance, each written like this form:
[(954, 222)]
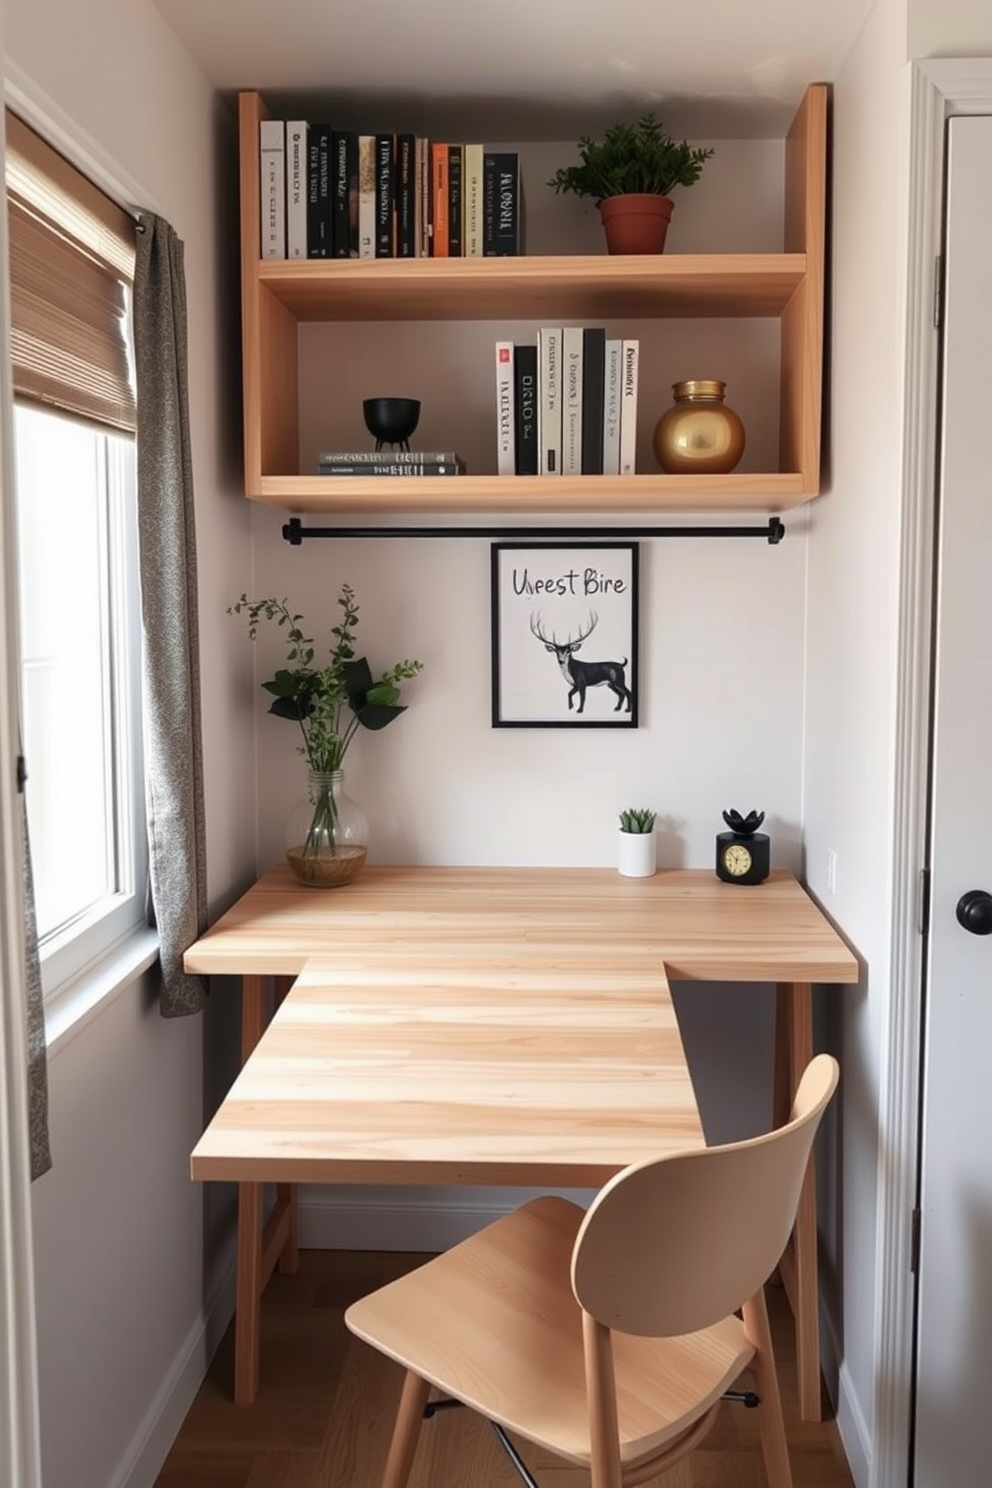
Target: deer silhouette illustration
[(581, 675)]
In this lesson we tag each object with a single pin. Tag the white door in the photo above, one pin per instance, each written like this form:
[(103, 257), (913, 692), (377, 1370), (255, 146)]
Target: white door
[(953, 1431)]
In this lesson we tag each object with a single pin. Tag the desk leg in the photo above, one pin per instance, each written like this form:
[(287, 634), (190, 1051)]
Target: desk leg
[(287, 1193), (798, 1267), (260, 1247), (248, 1294)]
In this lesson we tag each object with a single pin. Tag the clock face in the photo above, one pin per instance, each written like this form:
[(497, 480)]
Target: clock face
[(737, 859)]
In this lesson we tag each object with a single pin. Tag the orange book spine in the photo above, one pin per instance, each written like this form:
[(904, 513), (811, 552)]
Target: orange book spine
[(439, 200)]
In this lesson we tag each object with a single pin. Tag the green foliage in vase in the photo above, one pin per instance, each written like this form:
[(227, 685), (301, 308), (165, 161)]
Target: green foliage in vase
[(332, 701), (631, 159), (637, 819)]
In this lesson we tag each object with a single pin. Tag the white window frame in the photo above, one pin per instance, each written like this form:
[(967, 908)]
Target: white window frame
[(76, 949)]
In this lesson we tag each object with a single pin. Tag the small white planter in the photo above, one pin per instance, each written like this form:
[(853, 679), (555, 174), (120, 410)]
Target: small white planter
[(636, 854)]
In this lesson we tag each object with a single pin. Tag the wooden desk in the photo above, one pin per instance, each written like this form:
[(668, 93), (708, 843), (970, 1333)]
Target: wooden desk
[(417, 931)]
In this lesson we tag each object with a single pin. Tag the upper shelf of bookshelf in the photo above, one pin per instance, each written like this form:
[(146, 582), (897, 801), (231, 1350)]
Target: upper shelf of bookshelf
[(280, 295), (669, 286)]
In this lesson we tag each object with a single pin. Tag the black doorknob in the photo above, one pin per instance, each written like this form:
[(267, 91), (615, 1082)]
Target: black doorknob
[(974, 912)]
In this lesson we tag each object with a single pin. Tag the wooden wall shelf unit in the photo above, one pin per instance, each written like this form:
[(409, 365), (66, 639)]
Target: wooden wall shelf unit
[(278, 295)]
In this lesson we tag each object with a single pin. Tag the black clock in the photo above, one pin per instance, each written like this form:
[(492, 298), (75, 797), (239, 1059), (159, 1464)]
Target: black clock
[(743, 855)]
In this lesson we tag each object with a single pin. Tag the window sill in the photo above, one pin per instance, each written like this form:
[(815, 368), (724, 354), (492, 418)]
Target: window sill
[(76, 1004)]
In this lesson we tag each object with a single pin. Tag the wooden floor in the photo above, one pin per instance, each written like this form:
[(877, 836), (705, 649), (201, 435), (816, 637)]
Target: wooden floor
[(325, 1410)]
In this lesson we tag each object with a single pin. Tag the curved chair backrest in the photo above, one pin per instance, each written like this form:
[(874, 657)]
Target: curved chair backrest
[(673, 1244)]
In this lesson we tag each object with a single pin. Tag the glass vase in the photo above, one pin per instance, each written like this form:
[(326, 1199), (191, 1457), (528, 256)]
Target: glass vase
[(327, 834)]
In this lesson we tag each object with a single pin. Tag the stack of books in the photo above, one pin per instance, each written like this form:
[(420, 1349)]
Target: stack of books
[(567, 405), (329, 193), (390, 462)]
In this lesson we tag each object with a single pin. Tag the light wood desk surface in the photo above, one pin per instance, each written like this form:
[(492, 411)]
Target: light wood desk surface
[(501, 1025), (702, 929), (545, 1078)]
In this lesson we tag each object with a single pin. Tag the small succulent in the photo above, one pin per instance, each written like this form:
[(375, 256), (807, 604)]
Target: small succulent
[(637, 819), (744, 826)]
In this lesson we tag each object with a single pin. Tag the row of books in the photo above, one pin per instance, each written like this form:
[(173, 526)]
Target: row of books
[(567, 405), (328, 193)]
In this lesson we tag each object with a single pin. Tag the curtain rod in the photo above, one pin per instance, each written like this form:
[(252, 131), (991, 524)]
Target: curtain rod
[(294, 532)]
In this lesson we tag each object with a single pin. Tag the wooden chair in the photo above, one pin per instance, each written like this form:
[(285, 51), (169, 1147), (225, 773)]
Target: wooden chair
[(608, 1336)]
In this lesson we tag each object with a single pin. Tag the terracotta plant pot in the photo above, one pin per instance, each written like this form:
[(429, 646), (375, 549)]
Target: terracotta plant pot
[(636, 224)]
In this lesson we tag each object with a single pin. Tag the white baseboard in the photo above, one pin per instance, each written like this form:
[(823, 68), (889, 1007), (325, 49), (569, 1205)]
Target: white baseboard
[(396, 1219), (853, 1429), (149, 1446), (851, 1425)]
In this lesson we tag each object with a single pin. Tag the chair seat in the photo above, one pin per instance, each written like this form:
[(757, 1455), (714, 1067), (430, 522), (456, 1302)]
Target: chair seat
[(493, 1322)]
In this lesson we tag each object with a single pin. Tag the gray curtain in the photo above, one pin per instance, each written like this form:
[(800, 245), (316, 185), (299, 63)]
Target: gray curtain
[(41, 1153), (167, 557)]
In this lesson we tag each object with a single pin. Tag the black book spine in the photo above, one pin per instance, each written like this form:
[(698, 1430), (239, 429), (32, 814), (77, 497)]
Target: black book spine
[(525, 409), (593, 396), (353, 239), (406, 195), (455, 195), (500, 204), (319, 243), (340, 207), (385, 197)]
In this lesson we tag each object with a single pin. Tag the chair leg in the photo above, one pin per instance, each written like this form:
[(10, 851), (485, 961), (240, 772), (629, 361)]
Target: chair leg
[(774, 1447), (406, 1431)]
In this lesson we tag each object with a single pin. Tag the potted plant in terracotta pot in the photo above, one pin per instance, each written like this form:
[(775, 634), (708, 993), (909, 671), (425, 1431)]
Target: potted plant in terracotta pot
[(629, 174)]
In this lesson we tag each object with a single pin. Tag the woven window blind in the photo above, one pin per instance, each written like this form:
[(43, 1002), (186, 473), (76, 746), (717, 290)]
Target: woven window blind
[(71, 271)]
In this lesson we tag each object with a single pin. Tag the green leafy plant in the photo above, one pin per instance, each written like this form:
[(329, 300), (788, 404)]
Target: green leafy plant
[(637, 819), (631, 159), (330, 702)]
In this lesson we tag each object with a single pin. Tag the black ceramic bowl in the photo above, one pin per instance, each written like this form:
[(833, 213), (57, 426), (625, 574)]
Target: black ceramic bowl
[(391, 420)]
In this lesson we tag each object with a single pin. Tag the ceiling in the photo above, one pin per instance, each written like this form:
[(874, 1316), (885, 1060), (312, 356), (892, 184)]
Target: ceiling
[(554, 67)]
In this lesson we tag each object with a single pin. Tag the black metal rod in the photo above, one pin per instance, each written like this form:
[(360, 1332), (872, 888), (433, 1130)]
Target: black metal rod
[(294, 532), (515, 1456)]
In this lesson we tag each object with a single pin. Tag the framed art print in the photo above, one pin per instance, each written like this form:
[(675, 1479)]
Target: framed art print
[(564, 635)]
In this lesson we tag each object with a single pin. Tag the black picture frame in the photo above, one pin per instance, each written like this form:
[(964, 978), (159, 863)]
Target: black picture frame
[(548, 600)]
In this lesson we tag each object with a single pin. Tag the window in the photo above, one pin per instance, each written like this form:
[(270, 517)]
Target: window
[(71, 264)]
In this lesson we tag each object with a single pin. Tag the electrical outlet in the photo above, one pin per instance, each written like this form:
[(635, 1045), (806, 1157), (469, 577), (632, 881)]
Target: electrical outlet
[(831, 871)]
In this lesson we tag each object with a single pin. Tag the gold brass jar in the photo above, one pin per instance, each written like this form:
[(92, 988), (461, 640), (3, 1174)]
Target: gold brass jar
[(699, 434)]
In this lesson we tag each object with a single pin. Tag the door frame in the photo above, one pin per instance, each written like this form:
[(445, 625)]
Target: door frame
[(938, 90)]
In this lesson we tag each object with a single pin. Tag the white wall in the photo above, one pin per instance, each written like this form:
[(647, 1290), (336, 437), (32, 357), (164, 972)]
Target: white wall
[(959, 28), (122, 1290), (721, 620)]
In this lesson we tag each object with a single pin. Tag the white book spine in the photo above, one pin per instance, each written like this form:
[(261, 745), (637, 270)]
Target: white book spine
[(628, 408), (272, 156), (366, 196), (611, 408), (505, 442), (571, 415), (296, 188), (549, 405)]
